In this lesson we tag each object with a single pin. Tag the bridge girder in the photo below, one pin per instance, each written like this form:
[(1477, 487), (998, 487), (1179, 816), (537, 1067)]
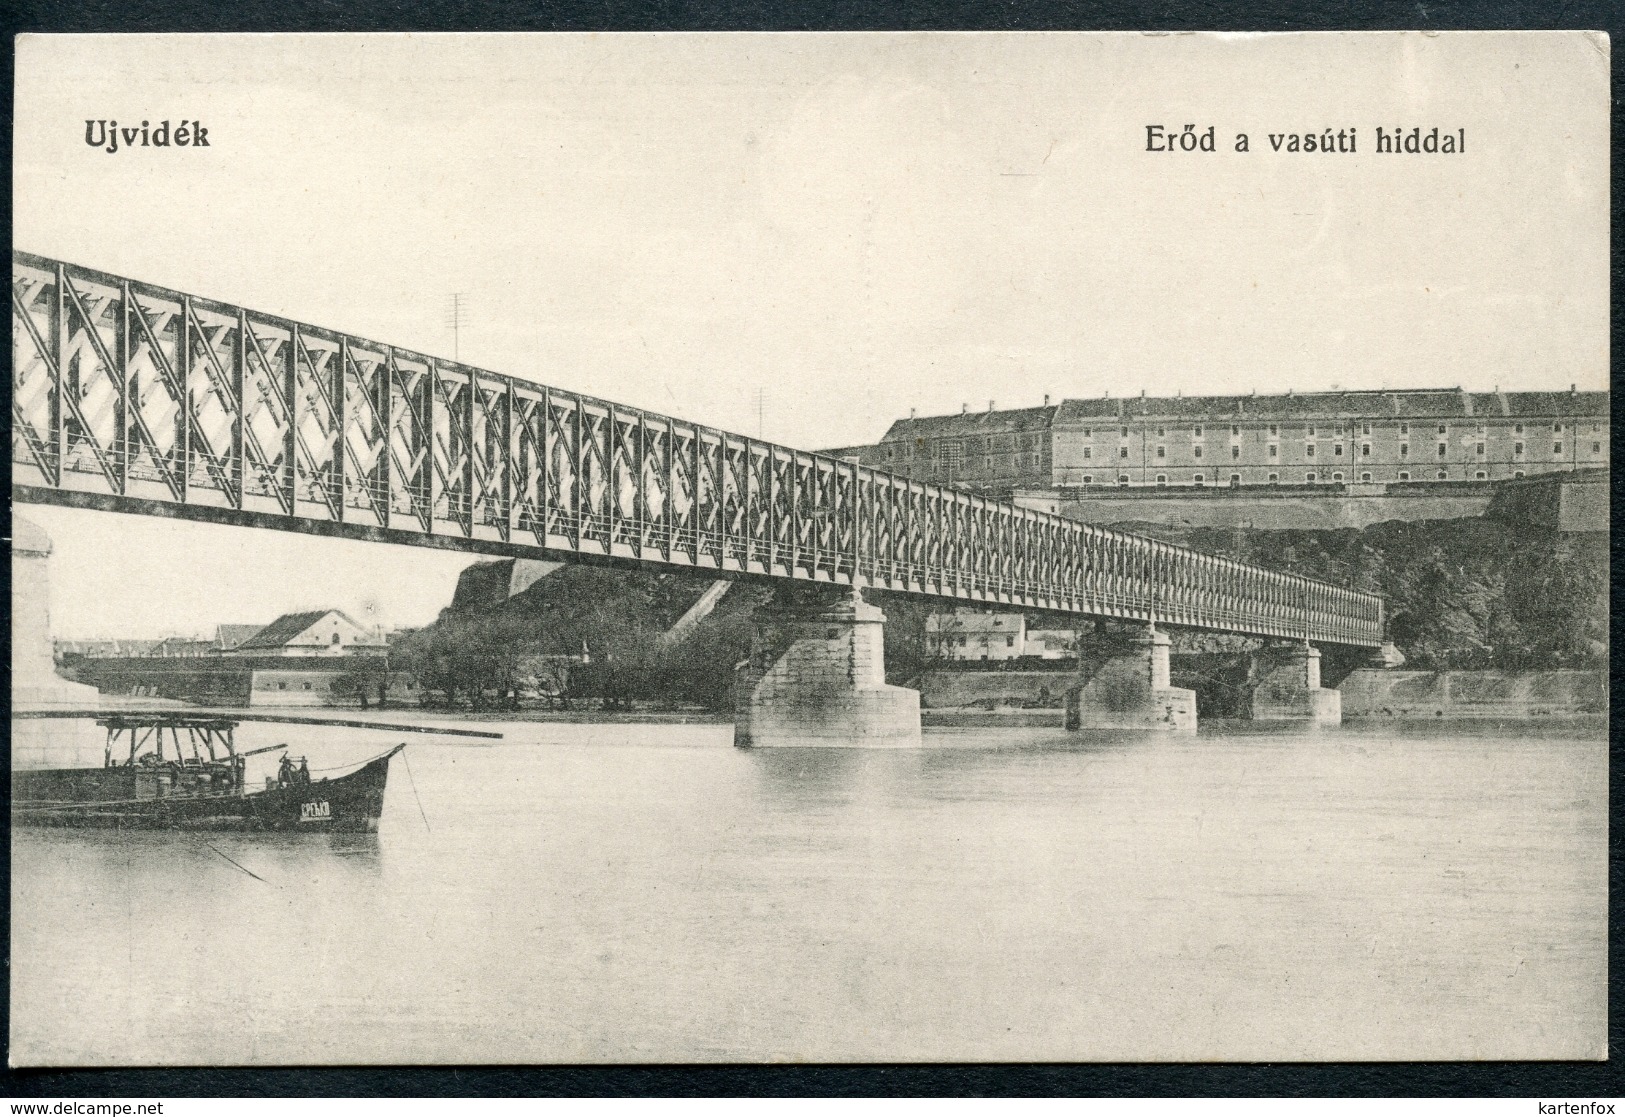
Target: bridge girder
[(134, 398)]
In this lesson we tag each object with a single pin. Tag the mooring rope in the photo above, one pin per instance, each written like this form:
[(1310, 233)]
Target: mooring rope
[(361, 765), (413, 781), (250, 872)]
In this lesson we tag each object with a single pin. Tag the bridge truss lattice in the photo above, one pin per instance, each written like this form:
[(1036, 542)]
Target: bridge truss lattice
[(135, 398)]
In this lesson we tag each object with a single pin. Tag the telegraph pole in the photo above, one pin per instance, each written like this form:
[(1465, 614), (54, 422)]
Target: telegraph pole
[(457, 318)]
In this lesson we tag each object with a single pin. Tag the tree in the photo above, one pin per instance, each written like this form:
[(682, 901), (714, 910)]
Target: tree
[(363, 679)]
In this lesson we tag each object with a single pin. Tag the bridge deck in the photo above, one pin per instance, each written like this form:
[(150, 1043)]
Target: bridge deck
[(135, 398)]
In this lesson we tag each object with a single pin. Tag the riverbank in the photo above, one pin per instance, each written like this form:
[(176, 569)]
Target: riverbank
[(991, 719), (1500, 695), (568, 717), (982, 699)]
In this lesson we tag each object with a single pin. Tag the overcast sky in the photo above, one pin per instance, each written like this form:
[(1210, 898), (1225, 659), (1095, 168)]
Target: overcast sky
[(849, 225)]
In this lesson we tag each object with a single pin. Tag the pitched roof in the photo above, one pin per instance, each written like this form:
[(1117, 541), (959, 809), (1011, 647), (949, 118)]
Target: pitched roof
[(1555, 403), (286, 627), (972, 422), (1072, 410), (181, 643), (974, 622), (229, 636)]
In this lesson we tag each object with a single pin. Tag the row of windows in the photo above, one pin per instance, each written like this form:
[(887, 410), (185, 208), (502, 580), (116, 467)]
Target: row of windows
[(1337, 451), (953, 463), (993, 443), (1009, 641), (1199, 479), (953, 452), (1334, 429)]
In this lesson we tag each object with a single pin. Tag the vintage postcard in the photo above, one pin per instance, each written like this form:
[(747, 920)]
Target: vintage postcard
[(809, 547)]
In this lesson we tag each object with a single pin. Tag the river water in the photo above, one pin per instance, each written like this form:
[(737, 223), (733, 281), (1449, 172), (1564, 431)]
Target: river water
[(645, 892)]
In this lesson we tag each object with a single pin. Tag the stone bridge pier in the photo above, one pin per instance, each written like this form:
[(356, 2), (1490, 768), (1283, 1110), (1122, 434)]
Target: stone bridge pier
[(1123, 683), (1286, 686), (816, 677), (35, 685)]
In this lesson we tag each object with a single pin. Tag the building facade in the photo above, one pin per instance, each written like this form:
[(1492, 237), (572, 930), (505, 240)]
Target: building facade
[(1313, 439), (1051, 643), (967, 634), (104, 649), (320, 633), (974, 450)]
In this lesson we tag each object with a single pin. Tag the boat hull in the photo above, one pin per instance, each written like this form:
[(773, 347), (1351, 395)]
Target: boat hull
[(348, 804)]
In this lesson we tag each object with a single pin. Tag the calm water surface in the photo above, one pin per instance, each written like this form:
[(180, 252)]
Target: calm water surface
[(649, 893)]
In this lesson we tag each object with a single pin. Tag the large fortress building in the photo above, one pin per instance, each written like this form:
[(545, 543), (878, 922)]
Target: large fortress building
[(1323, 440)]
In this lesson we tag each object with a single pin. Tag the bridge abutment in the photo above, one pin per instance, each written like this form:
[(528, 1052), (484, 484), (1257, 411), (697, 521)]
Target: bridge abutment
[(1386, 657), (816, 677), (35, 685), (1124, 684), (1286, 687)]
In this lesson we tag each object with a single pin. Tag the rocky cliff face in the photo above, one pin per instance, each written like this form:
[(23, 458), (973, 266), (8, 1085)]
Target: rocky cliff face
[(1462, 594), (1470, 593), (486, 585), (612, 623)]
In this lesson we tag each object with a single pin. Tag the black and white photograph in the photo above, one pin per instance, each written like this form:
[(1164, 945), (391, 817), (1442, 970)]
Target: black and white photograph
[(782, 548)]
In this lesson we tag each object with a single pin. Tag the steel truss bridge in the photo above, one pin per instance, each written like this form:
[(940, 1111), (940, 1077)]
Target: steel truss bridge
[(133, 398)]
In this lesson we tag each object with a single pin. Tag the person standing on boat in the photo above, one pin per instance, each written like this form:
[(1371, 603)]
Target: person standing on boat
[(304, 772), (284, 772)]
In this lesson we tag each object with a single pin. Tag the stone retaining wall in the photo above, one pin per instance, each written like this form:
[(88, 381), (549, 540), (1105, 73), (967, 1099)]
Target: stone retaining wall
[(1370, 693)]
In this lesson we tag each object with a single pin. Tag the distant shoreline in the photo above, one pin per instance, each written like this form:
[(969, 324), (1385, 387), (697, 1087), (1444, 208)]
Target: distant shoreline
[(954, 718), (598, 717)]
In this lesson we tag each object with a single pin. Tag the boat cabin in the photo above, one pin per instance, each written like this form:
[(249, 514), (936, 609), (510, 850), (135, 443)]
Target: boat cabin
[(152, 756)]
